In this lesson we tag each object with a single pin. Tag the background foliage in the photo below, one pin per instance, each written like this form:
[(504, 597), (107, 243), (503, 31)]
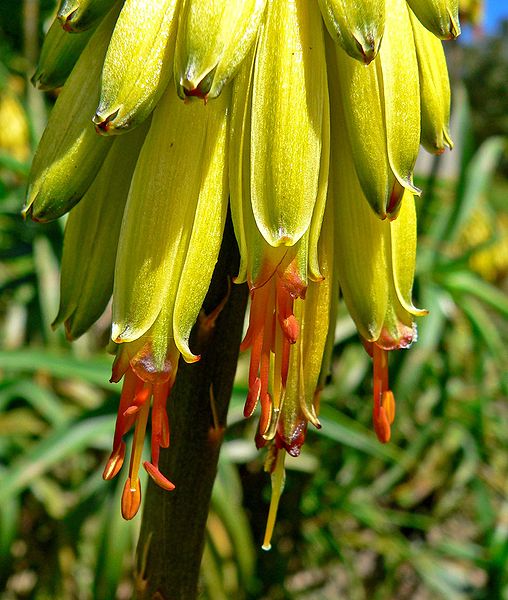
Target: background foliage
[(423, 517)]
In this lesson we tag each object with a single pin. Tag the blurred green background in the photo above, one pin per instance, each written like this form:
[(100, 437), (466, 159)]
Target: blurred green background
[(423, 517)]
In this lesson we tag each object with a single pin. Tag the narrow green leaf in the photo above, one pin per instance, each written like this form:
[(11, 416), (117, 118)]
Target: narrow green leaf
[(93, 370), (51, 450)]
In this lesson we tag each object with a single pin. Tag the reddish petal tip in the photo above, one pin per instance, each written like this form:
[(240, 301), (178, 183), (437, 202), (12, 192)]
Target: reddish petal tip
[(252, 398)]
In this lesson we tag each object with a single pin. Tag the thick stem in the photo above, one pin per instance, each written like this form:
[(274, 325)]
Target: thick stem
[(172, 535)]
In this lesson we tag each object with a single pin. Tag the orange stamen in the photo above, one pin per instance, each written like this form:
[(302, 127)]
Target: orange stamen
[(383, 412), (272, 330), (139, 438), (388, 403), (134, 407), (131, 499)]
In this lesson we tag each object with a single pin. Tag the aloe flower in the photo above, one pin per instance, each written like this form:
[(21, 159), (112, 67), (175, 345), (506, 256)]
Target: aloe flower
[(307, 117)]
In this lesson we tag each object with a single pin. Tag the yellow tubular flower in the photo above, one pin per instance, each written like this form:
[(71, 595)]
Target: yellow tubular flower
[(441, 17), (286, 127), (138, 64), (382, 106), (357, 26), (267, 103), (375, 262), (91, 238), (434, 89), (213, 40), (70, 154)]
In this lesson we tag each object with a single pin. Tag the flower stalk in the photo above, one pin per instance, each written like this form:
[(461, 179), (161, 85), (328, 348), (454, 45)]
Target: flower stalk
[(173, 527)]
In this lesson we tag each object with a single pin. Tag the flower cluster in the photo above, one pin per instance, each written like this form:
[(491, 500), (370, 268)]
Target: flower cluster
[(306, 116)]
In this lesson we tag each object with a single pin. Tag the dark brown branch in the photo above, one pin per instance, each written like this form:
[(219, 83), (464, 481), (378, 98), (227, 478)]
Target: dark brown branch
[(173, 528)]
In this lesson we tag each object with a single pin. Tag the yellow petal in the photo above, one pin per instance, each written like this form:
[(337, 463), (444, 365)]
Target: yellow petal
[(91, 238), (138, 64), (213, 39), (434, 89), (160, 211), (286, 135), (441, 17), (399, 67), (357, 26), (207, 229)]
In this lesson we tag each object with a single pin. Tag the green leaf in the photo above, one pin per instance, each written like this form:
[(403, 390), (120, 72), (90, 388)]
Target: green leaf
[(478, 178), (58, 364), (51, 450), (464, 282), (338, 427)]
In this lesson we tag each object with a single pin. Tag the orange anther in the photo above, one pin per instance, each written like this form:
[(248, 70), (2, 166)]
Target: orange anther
[(131, 499)]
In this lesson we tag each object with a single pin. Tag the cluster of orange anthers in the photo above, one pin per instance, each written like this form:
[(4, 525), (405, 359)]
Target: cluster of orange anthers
[(273, 329)]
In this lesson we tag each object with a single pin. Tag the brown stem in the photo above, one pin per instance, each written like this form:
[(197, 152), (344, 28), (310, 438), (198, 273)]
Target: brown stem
[(172, 535)]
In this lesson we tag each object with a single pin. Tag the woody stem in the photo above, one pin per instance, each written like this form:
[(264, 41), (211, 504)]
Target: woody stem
[(172, 534)]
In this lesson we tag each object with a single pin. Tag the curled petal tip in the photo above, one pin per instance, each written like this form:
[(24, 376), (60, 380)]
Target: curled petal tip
[(103, 124), (121, 333), (252, 398), (66, 21), (114, 463), (367, 50)]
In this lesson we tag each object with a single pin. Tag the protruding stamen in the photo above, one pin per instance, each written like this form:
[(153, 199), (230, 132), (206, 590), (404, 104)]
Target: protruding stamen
[(266, 413), (160, 423), (291, 328), (256, 317), (137, 444), (383, 411), (206, 323), (131, 498), (278, 480), (142, 394)]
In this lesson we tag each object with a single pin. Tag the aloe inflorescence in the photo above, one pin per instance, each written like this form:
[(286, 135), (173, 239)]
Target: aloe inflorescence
[(306, 116)]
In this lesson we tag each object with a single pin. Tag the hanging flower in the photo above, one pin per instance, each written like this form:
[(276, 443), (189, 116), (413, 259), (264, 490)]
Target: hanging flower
[(308, 115)]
